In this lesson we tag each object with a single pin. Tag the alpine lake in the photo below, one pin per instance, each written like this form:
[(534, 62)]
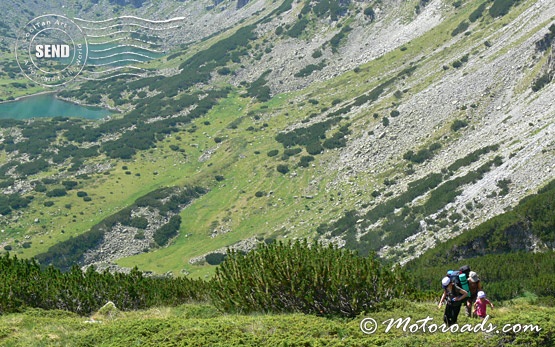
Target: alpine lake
[(47, 105)]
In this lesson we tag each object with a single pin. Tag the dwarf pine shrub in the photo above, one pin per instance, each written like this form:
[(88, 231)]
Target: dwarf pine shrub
[(302, 277)]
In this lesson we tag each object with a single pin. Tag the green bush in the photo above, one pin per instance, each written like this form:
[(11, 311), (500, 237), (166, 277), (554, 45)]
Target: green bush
[(309, 69), (69, 185), (40, 188), (56, 192), (312, 279), (167, 231), (317, 54), (32, 167), (309, 137), (423, 154), (314, 148), (459, 124), (81, 292), (305, 160), (215, 258), (337, 38), (139, 222), (292, 151), (471, 158), (258, 89), (282, 168), (369, 12), (460, 28), (298, 28), (500, 8), (477, 13), (541, 82), (224, 71)]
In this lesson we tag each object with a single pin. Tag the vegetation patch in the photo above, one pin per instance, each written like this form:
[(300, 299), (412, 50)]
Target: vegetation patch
[(309, 69), (458, 124), (336, 40), (461, 28), (258, 89), (423, 154), (500, 8), (81, 292), (478, 12), (298, 277)]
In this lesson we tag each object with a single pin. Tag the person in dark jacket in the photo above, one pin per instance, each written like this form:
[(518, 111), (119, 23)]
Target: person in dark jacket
[(454, 296)]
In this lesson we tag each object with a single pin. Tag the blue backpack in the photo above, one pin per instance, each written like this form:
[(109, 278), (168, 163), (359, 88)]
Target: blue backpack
[(459, 279)]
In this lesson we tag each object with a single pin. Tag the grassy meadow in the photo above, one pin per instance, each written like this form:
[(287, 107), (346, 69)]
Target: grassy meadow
[(198, 324)]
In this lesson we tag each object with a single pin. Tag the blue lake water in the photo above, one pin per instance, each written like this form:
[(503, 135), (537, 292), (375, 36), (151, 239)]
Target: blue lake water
[(46, 105)]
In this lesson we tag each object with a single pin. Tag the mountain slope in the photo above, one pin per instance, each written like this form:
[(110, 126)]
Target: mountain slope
[(386, 130)]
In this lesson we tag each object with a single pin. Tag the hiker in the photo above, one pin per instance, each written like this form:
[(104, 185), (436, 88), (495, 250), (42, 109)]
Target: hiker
[(475, 286), (455, 296), (481, 305)]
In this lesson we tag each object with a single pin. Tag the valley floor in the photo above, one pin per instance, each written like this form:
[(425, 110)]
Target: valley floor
[(203, 325)]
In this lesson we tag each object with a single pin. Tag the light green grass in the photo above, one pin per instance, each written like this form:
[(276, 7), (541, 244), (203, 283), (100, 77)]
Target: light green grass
[(202, 325), (235, 196)]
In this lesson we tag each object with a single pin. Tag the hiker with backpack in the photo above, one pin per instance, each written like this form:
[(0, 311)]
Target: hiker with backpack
[(454, 296), (475, 286)]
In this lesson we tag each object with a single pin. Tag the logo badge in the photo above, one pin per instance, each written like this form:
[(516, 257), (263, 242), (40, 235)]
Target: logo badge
[(51, 50)]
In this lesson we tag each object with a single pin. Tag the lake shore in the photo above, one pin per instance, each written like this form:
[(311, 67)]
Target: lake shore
[(80, 103), (19, 98), (73, 101)]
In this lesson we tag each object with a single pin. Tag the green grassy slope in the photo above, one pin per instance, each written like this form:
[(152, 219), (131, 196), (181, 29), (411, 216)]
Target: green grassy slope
[(202, 325)]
